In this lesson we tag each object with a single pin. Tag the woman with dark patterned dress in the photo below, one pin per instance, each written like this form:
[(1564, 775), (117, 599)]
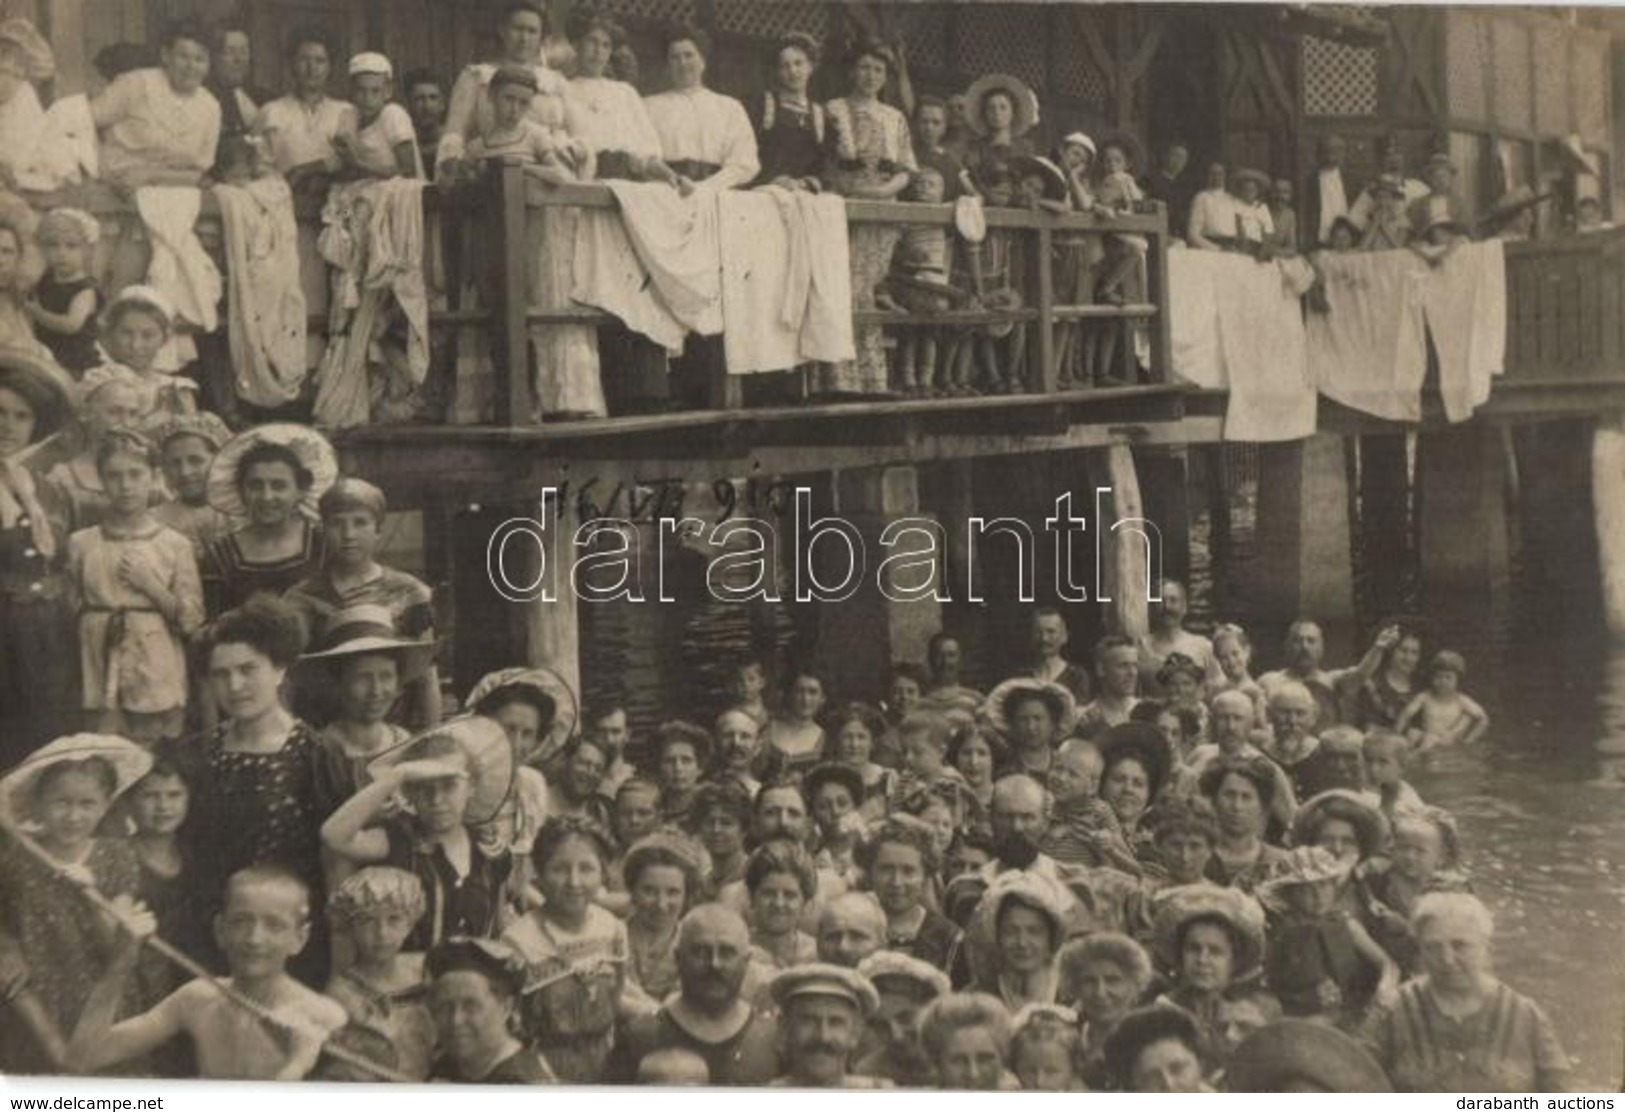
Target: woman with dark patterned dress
[(255, 776)]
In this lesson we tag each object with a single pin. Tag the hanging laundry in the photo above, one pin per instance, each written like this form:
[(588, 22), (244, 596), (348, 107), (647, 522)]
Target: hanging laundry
[(1465, 302), (180, 269), (1368, 351), (265, 307)]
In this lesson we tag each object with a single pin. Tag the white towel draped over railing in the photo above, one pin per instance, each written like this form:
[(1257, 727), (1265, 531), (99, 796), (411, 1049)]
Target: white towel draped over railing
[(1237, 324)]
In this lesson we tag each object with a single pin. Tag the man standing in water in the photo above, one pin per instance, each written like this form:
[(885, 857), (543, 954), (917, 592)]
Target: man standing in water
[(1305, 651), (1117, 664), (1049, 640), (709, 1016), (1168, 635)]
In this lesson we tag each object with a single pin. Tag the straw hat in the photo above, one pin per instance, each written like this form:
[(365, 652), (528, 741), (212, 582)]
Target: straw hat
[(822, 979), (889, 970), (551, 688), (662, 847), (1062, 705), (205, 426), (485, 747), (1025, 100), (313, 451), (1178, 907), (1247, 173), (1370, 827), (369, 629), (129, 762), (1055, 187), (1048, 897), (40, 382), (1079, 139), (1299, 1050), (1304, 865)]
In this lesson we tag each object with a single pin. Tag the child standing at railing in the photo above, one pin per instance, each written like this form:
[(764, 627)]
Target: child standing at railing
[(1078, 256), (567, 381), (918, 283), (1125, 254), (66, 300), (135, 329)]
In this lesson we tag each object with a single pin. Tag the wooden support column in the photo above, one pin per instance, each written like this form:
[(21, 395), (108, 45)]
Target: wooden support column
[(862, 636), (1303, 566), (1608, 493), (511, 300), (553, 628), (1385, 523), (1163, 477), (1465, 534), (1557, 523), (1125, 561)]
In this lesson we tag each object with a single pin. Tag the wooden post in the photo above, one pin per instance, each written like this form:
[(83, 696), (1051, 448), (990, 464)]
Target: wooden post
[(553, 629), (860, 637), (1163, 488), (1465, 531), (1045, 381), (1303, 565), (1385, 527), (1608, 497), (1127, 563), (1157, 294), (512, 299)]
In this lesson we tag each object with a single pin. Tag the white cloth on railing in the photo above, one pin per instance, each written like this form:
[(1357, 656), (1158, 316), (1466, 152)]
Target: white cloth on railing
[(372, 235), (1237, 324), (1465, 302), (180, 269), (64, 149), (677, 239), (1261, 339), (786, 280), (1193, 317), (1369, 350), (610, 276), (265, 304)]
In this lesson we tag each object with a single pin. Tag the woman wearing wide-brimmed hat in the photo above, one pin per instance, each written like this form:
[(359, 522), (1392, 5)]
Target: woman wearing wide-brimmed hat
[(269, 479), (1321, 962), (361, 667), (352, 513), (39, 651), (1001, 110), (56, 798), (1014, 938), (1033, 716), (1210, 941)]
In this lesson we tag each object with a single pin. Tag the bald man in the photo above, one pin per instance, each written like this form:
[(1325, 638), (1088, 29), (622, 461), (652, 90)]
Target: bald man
[(1019, 815), (1296, 749), (1236, 734), (850, 928), (711, 1015)]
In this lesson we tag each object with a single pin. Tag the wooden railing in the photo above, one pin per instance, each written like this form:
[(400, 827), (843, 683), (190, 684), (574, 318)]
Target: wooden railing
[(507, 198), (1566, 310), (514, 196)]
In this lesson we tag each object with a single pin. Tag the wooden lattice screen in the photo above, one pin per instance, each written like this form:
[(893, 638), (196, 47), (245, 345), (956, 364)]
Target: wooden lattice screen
[(769, 21), (1338, 79)]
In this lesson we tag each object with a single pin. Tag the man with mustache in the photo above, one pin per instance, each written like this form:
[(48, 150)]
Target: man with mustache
[(905, 986), (824, 1009), (1019, 816), (1305, 651), (711, 1015)]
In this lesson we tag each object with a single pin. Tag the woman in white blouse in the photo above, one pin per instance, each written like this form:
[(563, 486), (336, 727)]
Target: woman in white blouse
[(705, 137), (609, 115)]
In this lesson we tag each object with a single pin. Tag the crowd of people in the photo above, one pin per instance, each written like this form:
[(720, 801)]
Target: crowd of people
[(1161, 873), (228, 748)]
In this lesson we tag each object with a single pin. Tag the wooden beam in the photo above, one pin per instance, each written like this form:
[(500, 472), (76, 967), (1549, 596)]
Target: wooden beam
[(511, 295)]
